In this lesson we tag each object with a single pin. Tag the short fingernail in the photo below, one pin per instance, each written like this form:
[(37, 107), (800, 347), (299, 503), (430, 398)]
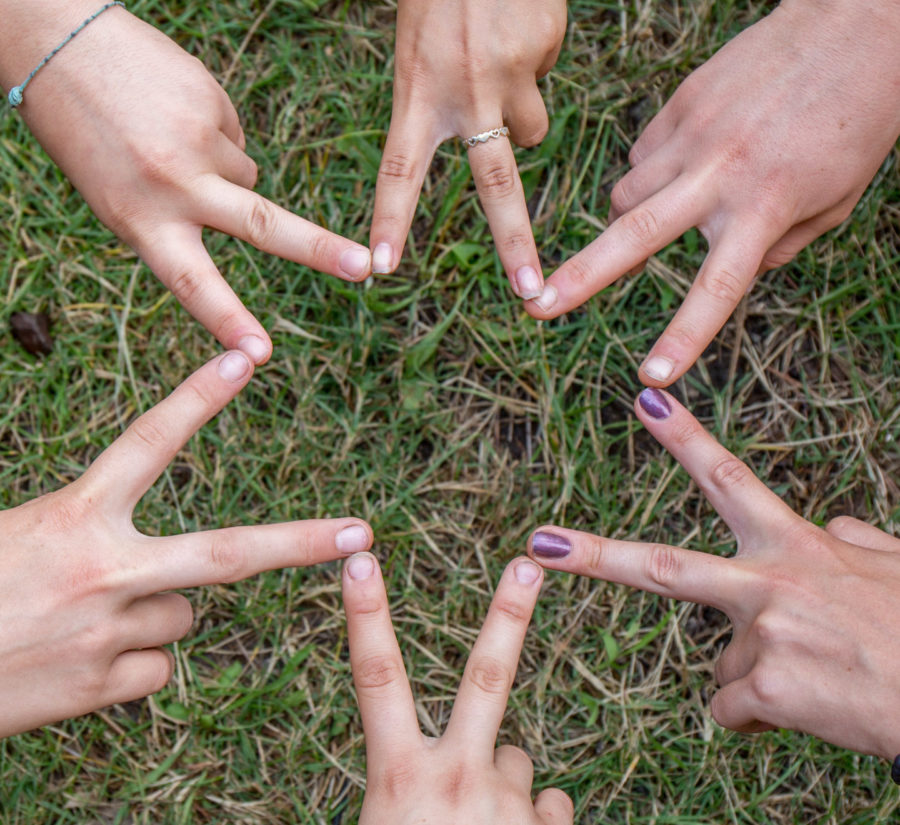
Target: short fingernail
[(654, 403), (527, 572), (361, 567), (356, 262), (353, 539), (233, 366), (254, 348), (658, 367), (529, 282), (550, 546), (547, 298), (382, 258)]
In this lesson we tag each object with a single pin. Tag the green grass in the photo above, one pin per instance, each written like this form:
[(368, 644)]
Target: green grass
[(429, 403)]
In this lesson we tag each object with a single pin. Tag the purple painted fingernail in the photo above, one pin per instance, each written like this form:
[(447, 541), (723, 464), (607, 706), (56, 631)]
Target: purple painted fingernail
[(654, 403), (550, 546)]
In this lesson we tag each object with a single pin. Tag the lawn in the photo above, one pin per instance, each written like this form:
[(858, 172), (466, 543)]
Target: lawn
[(429, 403)]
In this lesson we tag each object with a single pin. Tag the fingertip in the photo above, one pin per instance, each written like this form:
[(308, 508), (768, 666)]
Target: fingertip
[(548, 544), (360, 566), (256, 348), (234, 367), (528, 282), (544, 303), (527, 572), (382, 258), (655, 403), (355, 537), (356, 263), (657, 370)]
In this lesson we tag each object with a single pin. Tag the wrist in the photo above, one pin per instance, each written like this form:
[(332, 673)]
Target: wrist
[(32, 30)]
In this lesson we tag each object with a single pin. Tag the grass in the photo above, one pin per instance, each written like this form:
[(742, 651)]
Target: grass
[(430, 404)]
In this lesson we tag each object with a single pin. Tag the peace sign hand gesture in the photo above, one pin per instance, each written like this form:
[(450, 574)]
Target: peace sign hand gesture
[(413, 779), (814, 641), (85, 601)]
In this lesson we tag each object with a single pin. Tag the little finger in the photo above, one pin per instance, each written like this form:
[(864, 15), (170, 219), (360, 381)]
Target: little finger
[(515, 765), (554, 807)]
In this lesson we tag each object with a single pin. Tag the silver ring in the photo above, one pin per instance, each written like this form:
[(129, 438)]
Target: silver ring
[(484, 137)]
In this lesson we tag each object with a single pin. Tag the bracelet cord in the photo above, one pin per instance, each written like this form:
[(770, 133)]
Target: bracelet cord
[(17, 93)]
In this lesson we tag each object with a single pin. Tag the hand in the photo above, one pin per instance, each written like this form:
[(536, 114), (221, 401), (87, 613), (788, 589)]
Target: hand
[(84, 601), (763, 148), (461, 68), (154, 145), (814, 645), (413, 779)]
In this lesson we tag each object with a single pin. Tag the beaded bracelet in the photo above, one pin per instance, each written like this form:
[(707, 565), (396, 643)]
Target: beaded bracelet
[(17, 93)]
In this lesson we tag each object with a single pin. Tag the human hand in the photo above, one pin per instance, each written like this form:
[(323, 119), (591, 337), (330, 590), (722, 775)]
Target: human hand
[(813, 647), (85, 605), (412, 779), (155, 146), (763, 148), (462, 68)]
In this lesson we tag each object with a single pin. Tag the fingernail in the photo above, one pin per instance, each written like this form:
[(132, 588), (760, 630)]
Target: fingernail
[(361, 567), (527, 572), (254, 348), (356, 262), (529, 282), (353, 539), (654, 403), (382, 258), (547, 298), (550, 546), (658, 367), (233, 366)]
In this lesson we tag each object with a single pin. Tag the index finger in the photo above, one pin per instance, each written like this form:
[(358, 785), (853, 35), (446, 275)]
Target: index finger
[(130, 465), (502, 197), (385, 699), (491, 668), (247, 215), (625, 245), (657, 568), (755, 514)]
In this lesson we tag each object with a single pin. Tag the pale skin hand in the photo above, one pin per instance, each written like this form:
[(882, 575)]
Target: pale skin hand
[(155, 146), (412, 779), (814, 646), (763, 148), (85, 605), (463, 67)]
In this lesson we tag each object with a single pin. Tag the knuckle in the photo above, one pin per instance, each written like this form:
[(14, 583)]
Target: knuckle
[(202, 395), (683, 433), (768, 686), (577, 271), (148, 432), (723, 285), (457, 782), (157, 165), (96, 642), (595, 557), (489, 675), (262, 223), (512, 611), (664, 565), (186, 285), (498, 181), (728, 475), (396, 781), (227, 559), (377, 672), (641, 226), (396, 168), (517, 241), (319, 249)]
